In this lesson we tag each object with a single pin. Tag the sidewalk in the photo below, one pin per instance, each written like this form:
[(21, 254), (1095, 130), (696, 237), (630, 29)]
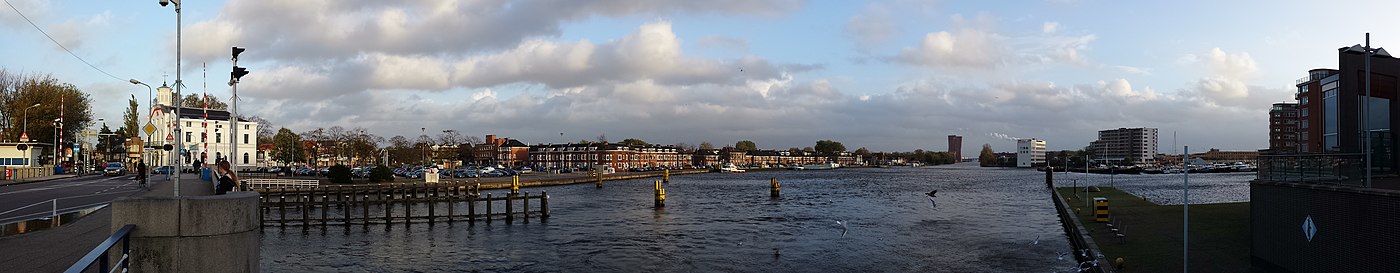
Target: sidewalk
[(56, 249)]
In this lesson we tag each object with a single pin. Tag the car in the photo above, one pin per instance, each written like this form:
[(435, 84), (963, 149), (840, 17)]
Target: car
[(114, 169), (163, 170)]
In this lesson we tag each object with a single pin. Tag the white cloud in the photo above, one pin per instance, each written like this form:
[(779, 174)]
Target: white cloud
[(964, 48), (975, 44), (1050, 27), (871, 27), (1229, 76)]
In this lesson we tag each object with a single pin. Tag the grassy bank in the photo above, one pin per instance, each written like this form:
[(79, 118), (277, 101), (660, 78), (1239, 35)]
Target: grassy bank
[(1219, 233)]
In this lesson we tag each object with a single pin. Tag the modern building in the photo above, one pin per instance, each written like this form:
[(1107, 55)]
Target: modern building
[(1126, 145), (1030, 153), (1284, 128), (208, 135), (955, 146), (1323, 210)]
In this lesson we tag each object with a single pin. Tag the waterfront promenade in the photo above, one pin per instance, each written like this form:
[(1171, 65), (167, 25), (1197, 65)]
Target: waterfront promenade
[(1219, 233), (54, 250)]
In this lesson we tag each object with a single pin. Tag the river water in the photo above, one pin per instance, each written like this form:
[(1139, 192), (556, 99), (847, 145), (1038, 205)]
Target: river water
[(986, 220)]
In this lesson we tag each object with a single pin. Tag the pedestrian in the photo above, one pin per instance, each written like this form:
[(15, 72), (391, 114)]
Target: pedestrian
[(228, 181), (141, 173)]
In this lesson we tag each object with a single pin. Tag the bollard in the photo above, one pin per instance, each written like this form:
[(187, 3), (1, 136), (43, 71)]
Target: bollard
[(666, 176), (525, 207), (600, 180), (510, 209), (471, 209), (364, 204), (773, 187), (282, 208), (660, 195), (488, 208)]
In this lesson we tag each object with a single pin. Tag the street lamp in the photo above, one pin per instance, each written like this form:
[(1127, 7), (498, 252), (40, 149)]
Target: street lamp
[(148, 94), (26, 118), (175, 160)]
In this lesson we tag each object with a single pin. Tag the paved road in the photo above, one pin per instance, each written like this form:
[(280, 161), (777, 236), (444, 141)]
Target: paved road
[(35, 200)]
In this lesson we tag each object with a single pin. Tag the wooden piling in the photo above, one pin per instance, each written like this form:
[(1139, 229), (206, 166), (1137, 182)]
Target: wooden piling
[(471, 209), (305, 209), (600, 180), (774, 187), (431, 195), (282, 208), (324, 206), (388, 204), (525, 207), (452, 198), (510, 212), (345, 208), (544, 205), (364, 203), (660, 195), (488, 208)]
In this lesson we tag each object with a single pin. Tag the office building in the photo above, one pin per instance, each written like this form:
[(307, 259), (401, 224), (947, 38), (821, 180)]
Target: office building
[(1126, 145), (955, 146), (1284, 124), (1030, 153)]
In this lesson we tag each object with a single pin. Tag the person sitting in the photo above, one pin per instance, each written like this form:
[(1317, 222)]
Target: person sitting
[(228, 180)]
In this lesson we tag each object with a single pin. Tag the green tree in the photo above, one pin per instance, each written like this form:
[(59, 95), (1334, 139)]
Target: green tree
[(745, 145), (131, 117), (634, 142), (195, 101), (862, 152), (829, 147), (988, 158), (287, 147), (705, 145), (20, 92)]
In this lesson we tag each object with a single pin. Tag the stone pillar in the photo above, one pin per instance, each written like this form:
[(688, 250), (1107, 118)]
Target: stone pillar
[(215, 233)]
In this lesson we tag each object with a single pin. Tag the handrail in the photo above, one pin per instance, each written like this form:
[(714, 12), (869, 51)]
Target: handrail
[(99, 253)]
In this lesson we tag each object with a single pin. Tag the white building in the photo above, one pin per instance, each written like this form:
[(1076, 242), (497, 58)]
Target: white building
[(1134, 145), (204, 139), (1030, 152)]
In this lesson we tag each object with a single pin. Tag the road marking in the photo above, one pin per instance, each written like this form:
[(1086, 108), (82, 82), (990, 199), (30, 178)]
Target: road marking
[(60, 186), (47, 214), (69, 197)]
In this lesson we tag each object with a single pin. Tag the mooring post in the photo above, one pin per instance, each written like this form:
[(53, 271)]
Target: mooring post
[(364, 203), (452, 199), (324, 206), (510, 212), (525, 207), (345, 206), (471, 209), (488, 208), (282, 208), (431, 195), (388, 204), (1050, 177), (773, 187), (666, 176), (600, 178), (305, 209), (544, 205), (408, 204), (660, 195)]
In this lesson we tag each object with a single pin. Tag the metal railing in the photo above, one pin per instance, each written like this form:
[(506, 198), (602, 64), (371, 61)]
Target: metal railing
[(1338, 169), (100, 256)]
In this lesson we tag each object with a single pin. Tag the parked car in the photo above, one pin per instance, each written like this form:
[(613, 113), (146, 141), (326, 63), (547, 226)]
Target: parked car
[(114, 169)]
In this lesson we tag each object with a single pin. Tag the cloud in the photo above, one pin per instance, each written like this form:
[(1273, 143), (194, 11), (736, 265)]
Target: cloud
[(1229, 74), (1050, 27), (976, 44), (871, 27), (722, 43)]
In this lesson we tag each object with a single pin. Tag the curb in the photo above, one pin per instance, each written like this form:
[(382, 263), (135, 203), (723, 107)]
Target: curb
[(40, 180)]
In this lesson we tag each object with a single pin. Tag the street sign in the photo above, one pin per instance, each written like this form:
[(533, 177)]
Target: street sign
[(169, 137), (24, 137), (150, 128)]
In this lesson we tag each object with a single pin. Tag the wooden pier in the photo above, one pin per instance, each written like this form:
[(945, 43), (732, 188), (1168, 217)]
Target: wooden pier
[(405, 203)]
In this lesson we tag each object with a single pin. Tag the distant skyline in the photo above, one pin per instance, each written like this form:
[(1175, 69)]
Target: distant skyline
[(892, 75)]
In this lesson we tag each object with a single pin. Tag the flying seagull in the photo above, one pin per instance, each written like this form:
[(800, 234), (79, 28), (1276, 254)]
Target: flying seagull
[(1037, 240), (843, 228), (933, 193)]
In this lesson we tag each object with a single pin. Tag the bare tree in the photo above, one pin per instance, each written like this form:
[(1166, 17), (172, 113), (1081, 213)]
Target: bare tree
[(450, 138), (603, 138)]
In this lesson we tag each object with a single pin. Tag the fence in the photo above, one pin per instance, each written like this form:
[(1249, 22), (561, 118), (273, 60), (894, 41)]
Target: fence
[(13, 175), (99, 254), (393, 203), (1339, 169)]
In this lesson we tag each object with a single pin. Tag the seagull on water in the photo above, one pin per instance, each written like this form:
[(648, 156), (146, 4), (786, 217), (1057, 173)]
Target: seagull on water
[(1037, 240), (1062, 255), (843, 228)]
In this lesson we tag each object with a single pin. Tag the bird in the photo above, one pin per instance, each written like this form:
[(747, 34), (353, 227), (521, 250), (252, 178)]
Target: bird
[(1062, 255), (844, 229), (935, 203), (1037, 240), (777, 252), (933, 193)]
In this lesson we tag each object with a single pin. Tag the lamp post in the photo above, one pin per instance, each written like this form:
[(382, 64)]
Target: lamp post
[(175, 160), (148, 94), (26, 118)]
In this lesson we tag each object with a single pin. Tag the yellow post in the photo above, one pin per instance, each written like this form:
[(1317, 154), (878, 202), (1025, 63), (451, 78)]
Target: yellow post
[(666, 176), (660, 195), (514, 185), (774, 187), (599, 176)]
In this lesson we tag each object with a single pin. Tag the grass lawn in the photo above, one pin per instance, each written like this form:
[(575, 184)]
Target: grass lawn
[(1219, 233)]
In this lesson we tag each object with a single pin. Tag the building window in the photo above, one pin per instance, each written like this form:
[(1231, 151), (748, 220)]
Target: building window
[(245, 158), (245, 138), (218, 137), (189, 136), (245, 126)]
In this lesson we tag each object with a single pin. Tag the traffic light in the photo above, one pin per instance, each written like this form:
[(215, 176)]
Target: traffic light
[(236, 51), (238, 72)]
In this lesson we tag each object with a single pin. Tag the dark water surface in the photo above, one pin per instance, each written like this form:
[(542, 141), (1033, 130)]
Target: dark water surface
[(985, 221)]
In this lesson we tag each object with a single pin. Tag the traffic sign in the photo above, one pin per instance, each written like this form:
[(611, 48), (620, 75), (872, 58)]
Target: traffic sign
[(150, 128), (24, 137), (169, 137)]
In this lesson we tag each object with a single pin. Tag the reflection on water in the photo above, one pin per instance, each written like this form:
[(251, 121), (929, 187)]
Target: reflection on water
[(986, 220), (46, 223)]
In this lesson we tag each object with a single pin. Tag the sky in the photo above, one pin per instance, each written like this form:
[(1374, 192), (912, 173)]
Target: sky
[(893, 75)]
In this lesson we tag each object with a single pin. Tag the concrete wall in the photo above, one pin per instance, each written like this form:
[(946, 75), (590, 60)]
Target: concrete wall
[(1356, 229), (216, 233)]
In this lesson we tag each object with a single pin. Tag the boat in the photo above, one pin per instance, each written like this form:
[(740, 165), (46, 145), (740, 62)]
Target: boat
[(730, 168), (823, 166)]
